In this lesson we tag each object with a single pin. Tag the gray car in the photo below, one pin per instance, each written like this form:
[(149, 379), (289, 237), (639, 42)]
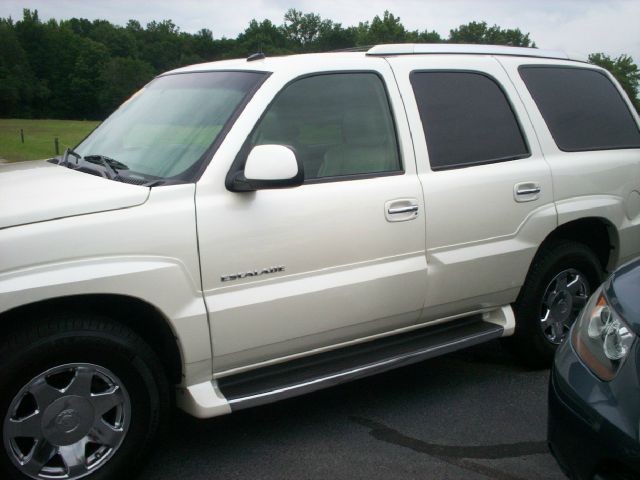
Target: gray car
[(594, 394)]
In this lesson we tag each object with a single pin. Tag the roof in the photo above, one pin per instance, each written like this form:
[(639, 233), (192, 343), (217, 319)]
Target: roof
[(345, 57)]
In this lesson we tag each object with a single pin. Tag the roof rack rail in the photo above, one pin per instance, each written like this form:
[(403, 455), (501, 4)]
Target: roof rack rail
[(468, 49), (363, 48)]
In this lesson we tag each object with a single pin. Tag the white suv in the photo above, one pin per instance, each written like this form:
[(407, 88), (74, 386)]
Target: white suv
[(243, 231)]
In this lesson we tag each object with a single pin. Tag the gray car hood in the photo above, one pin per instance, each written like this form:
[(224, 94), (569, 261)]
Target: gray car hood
[(39, 191)]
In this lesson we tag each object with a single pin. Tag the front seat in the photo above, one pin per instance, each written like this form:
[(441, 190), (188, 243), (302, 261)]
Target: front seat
[(365, 149)]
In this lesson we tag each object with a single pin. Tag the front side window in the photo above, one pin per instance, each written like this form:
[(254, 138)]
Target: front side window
[(163, 131), (582, 108), (337, 124), (467, 119)]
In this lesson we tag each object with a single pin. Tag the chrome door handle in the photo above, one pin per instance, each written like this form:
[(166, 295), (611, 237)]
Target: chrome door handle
[(528, 191), (397, 210), (401, 209)]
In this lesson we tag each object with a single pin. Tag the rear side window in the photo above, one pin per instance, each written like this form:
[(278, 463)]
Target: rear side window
[(467, 119), (582, 108)]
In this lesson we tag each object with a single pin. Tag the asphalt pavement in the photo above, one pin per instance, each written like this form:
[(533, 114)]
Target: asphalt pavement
[(474, 414)]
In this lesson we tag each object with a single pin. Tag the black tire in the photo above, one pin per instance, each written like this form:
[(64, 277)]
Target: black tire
[(78, 339), (530, 342)]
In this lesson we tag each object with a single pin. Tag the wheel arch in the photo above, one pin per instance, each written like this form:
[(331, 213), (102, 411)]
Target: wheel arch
[(597, 233), (140, 316)]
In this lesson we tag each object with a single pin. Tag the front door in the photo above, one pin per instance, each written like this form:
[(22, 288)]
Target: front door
[(341, 257)]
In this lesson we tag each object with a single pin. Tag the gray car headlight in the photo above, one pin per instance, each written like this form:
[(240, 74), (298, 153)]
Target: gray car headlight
[(601, 338)]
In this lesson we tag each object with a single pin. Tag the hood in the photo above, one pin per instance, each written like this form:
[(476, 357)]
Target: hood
[(38, 191), (623, 290)]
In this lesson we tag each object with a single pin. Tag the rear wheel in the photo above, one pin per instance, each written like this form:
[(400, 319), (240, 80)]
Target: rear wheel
[(561, 278), (79, 398)]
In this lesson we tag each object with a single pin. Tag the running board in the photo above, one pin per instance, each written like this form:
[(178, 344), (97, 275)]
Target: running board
[(304, 375)]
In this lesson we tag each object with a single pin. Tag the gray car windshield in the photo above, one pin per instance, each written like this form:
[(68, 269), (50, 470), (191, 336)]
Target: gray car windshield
[(163, 131)]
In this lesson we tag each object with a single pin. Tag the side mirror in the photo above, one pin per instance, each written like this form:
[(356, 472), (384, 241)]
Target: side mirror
[(269, 166)]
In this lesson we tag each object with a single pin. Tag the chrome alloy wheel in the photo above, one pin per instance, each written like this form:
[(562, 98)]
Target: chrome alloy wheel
[(67, 422), (562, 301)]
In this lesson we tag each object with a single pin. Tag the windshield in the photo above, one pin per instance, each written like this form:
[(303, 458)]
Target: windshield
[(163, 130)]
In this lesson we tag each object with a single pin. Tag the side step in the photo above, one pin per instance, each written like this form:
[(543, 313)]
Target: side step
[(304, 375)]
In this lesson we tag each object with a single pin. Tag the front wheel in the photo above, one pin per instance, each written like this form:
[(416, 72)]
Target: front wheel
[(79, 398), (561, 278)]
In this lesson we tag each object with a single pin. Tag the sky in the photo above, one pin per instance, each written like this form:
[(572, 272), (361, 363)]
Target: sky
[(575, 26)]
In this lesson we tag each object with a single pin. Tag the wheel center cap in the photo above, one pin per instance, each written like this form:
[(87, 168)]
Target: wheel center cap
[(563, 305), (67, 420)]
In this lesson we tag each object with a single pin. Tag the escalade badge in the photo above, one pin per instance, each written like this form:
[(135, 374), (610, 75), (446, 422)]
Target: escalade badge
[(252, 273)]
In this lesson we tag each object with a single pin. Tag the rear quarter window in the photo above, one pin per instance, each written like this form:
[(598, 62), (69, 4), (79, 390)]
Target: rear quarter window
[(582, 108)]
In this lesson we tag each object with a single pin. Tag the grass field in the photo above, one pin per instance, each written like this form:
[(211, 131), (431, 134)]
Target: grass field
[(39, 137)]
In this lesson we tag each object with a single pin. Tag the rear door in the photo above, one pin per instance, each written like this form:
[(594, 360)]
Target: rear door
[(488, 190), (341, 257)]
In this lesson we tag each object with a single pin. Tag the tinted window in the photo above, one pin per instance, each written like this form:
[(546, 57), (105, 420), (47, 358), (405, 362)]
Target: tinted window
[(582, 108), (467, 119), (338, 124)]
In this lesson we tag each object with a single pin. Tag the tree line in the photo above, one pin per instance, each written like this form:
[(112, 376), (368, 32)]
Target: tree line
[(82, 69)]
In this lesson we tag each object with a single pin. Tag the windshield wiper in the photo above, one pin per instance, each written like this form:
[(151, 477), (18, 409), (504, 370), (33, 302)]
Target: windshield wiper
[(111, 167), (107, 162), (65, 158)]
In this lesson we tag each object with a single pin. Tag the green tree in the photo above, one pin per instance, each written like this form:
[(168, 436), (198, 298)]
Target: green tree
[(425, 36), (308, 32), (78, 68), (18, 84), (262, 37), (121, 77), (159, 45), (85, 83), (387, 29), (303, 29), (201, 44), (119, 41), (625, 71), (480, 32), (35, 43), (334, 37)]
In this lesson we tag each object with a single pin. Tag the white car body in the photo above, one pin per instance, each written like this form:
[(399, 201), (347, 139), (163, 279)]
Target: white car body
[(338, 271)]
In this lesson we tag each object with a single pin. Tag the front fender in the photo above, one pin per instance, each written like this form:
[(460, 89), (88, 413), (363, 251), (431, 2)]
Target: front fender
[(163, 283), (148, 252)]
